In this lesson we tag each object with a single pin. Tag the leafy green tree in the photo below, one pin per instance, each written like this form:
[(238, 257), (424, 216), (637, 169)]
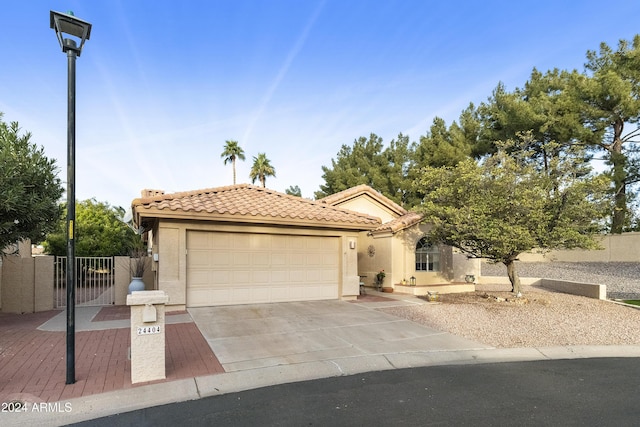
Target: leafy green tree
[(503, 206), (368, 162), (548, 108), (232, 151), (99, 232), (391, 170), (590, 110), (545, 106), (612, 97), (261, 169), (441, 146), (29, 188), (399, 160), (293, 190), (362, 163)]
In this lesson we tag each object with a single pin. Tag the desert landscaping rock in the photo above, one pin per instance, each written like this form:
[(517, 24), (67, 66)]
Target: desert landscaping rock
[(622, 278), (550, 318), (543, 319)]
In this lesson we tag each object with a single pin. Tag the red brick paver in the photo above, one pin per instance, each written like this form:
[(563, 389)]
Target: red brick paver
[(33, 362)]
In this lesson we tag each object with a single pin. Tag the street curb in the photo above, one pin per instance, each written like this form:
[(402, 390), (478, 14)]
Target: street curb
[(120, 401), (104, 404)]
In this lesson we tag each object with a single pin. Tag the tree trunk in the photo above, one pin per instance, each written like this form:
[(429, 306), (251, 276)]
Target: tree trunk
[(618, 218), (233, 163), (513, 276), (619, 164)]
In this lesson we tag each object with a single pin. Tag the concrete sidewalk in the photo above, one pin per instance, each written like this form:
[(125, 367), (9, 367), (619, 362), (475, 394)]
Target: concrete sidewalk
[(266, 344)]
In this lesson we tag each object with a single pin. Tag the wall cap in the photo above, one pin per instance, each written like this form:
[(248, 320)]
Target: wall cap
[(147, 297)]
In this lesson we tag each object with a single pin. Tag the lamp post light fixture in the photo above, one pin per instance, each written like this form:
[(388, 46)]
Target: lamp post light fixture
[(72, 33)]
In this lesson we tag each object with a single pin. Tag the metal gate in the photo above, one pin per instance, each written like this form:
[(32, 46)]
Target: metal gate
[(95, 281)]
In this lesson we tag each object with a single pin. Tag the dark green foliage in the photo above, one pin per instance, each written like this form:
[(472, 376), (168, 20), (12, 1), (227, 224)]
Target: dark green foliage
[(362, 163), (29, 188), (293, 190), (391, 170), (582, 112), (611, 95), (99, 232)]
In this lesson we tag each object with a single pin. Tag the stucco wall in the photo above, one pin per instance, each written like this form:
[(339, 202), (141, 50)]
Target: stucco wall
[(370, 207), (463, 266), (371, 262), (615, 248), (409, 238), (172, 263), (27, 284), (350, 279), (395, 254)]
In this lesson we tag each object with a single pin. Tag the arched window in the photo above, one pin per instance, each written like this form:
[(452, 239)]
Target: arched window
[(427, 256)]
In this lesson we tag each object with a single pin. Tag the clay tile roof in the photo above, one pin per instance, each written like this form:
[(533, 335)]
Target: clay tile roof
[(248, 203), (398, 224), (353, 192)]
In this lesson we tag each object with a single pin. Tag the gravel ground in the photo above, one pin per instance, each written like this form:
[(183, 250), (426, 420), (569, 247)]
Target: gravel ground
[(622, 278), (541, 318)]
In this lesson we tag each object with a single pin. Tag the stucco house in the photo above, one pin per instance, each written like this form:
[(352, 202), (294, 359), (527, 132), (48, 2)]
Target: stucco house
[(399, 247), (244, 244)]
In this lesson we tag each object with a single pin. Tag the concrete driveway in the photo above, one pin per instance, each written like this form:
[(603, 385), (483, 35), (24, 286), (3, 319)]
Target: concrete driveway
[(248, 337)]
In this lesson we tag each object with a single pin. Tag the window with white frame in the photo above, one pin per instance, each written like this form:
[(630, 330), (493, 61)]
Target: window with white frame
[(427, 256)]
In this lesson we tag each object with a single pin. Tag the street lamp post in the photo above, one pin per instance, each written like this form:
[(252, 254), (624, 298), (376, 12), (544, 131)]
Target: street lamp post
[(72, 33)]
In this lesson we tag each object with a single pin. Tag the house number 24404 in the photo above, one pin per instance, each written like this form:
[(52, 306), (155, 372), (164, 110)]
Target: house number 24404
[(146, 330)]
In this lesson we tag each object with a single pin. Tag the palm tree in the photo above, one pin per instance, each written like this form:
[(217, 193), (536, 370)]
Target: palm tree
[(261, 169), (232, 151)]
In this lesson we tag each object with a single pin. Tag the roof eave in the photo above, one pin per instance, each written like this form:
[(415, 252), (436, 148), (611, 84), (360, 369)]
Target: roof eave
[(141, 213)]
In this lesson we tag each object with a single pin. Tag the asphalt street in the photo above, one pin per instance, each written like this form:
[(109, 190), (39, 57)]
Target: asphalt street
[(585, 392)]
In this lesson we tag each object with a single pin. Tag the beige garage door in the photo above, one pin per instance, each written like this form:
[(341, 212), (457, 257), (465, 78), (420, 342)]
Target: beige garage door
[(242, 268)]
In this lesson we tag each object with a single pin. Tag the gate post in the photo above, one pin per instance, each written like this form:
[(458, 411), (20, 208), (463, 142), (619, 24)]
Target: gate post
[(122, 277)]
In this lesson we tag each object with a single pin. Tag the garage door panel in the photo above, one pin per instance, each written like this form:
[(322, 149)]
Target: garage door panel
[(240, 294), (326, 276), (220, 277), (219, 241), (312, 260), (199, 297), (240, 277), (260, 258), (329, 260), (296, 244), (220, 259), (260, 241), (239, 241), (240, 259), (238, 268), (199, 278), (279, 242), (282, 292), (200, 241), (297, 259), (280, 277), (279, 259), (313, 276), (200, 258), (313, 244), (297, 275)]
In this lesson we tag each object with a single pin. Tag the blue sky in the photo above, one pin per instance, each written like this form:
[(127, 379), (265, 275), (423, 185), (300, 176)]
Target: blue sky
[(162, 84)]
